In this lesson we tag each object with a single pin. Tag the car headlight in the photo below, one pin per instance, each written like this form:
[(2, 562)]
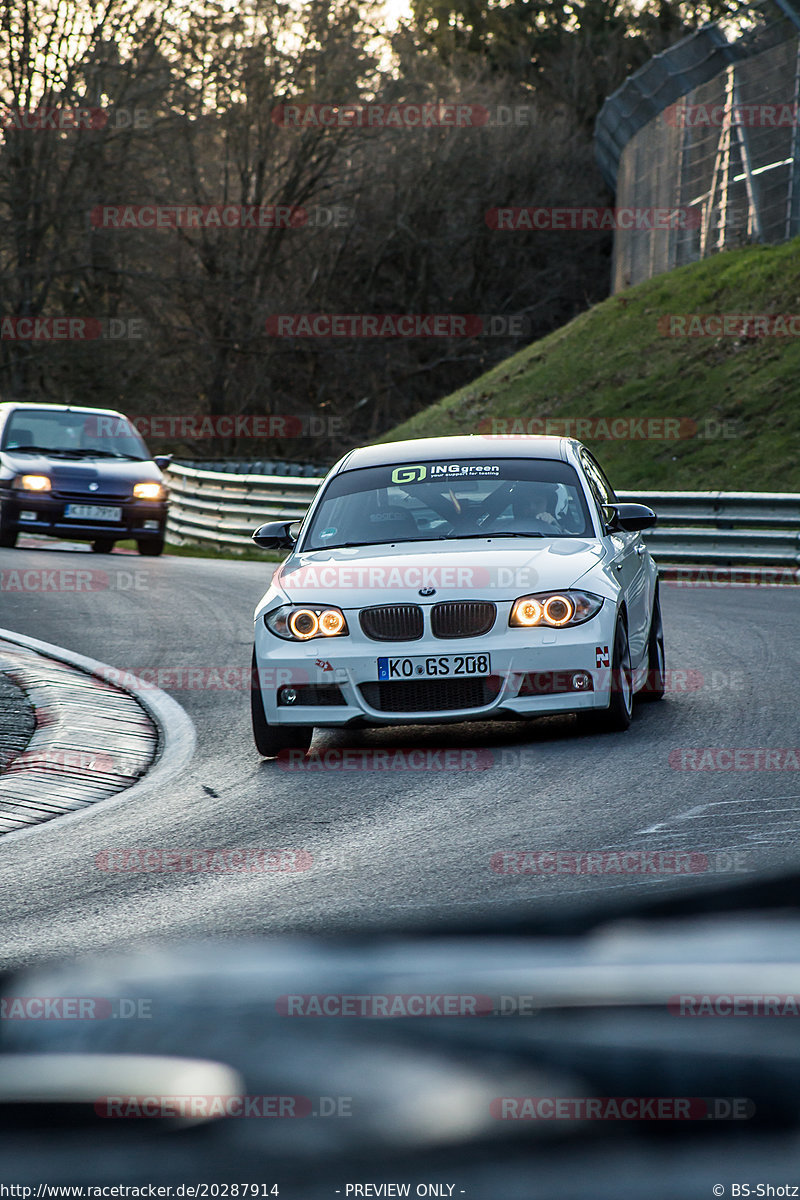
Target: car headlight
[(554, 609), (33, 483), (148, 491), (301, 623)]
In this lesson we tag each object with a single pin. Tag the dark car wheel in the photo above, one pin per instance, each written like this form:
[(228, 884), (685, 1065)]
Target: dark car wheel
[(150, 547), (655, 686), (8, 534), (617, 717), (271, 739), (103, 545)]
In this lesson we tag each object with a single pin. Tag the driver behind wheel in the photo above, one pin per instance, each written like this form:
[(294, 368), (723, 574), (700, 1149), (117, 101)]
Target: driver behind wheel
[(536, 502)]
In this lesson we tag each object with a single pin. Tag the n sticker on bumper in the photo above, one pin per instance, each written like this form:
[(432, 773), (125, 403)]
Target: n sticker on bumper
[(601, 656)]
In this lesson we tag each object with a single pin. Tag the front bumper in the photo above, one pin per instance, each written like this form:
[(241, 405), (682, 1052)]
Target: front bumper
[(48, 518), (350, 665)]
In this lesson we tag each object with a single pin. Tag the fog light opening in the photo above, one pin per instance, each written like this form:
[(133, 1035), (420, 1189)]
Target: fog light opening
[(581, 681), (287, 695)]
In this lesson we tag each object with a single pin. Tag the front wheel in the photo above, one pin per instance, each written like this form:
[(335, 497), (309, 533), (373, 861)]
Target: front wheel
[(271, 739), (8, 538), (150, 547), (655, 686), (617, 717), (103, 545)]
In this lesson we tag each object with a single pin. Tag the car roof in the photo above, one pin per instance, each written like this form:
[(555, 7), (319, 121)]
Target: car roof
[(8, 406), (469, 446)]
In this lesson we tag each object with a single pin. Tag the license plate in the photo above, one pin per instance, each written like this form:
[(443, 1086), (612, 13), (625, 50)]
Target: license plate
[(434, 666), (92, 512)]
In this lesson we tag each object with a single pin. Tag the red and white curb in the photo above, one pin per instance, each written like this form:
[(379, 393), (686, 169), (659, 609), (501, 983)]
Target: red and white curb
[(93, 739)]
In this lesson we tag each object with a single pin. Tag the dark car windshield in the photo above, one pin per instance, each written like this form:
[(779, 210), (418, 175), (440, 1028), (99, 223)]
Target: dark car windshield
[(82, 434), (442, 500)]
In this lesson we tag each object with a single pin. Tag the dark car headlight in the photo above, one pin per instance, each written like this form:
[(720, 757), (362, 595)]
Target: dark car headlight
[(302, 622), (149, 490), (33, 483), (554, 609)]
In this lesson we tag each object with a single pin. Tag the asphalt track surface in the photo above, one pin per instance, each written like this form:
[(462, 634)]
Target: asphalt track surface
[(398, 846)]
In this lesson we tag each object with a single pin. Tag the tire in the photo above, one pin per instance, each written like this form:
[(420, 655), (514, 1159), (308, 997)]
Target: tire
[(271, 739), (617, 717), (150, 547), (655, 686), (102, 545), (8, 535)]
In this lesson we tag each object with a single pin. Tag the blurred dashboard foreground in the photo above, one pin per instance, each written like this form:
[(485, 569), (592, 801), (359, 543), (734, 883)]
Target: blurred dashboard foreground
[(647, 1052)]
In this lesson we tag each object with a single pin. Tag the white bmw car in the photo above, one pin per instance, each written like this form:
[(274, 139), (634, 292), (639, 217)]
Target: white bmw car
[(456, 579)]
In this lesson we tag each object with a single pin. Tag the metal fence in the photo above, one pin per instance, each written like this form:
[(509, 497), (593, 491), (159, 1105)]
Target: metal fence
[(714, 138), (722, 528)]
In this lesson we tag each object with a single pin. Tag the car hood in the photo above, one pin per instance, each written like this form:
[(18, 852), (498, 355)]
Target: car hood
[(498, 569), (70, 474)]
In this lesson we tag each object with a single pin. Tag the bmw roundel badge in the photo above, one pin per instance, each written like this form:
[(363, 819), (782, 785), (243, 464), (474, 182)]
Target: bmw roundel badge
[(427, 591)]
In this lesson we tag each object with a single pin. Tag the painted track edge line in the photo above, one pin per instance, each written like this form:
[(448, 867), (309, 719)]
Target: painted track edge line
[(177, 734)]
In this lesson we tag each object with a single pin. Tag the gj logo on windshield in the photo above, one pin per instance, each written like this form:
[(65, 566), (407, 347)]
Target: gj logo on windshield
[(409, 474)]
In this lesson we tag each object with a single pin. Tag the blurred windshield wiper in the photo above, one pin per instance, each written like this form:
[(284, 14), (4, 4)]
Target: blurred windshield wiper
[(30, 449), (496, 534), (382, 542), (93, 453)]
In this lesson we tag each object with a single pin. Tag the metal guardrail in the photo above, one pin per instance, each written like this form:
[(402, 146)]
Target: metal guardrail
[(220, 509), (719, 528), (724, 528)]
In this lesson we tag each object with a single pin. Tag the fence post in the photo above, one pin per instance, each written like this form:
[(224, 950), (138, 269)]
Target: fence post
[(793, 196)]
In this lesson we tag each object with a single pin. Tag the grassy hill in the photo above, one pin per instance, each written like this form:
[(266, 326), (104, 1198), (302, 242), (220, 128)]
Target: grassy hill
[(737, 399)]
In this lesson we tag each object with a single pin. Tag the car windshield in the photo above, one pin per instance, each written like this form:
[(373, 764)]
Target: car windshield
[(446, 500), (74, 433)]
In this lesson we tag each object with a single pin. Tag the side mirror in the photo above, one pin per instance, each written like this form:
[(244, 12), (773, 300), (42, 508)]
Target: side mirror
[(162, 461), (631, 517), (277, 535)]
